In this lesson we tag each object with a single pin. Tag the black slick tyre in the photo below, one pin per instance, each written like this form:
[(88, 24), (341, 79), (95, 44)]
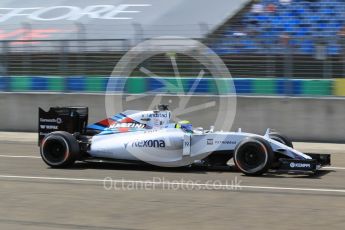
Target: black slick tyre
[(59, 149), (253, 156), (281, 138)]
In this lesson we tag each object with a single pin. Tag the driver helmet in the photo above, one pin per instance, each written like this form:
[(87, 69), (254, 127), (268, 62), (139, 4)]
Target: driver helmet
[(185, 125)]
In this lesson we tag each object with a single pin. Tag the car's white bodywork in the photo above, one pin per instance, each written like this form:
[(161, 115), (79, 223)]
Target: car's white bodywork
[(149, 137)]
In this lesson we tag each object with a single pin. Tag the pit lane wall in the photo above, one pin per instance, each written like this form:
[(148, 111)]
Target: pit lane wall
[(303, 119)]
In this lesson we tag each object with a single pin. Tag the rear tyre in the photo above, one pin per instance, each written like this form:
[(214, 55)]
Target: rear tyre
[(281, 138), (253, 156), (59, 149)]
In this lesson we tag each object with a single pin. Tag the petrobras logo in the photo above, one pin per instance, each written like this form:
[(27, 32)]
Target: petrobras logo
[(149, 144), (127, 125), (299, 165), (220, 142), (225, 142)]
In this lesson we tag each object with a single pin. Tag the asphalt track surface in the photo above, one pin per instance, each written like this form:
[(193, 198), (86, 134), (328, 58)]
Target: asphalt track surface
[(34, 196)]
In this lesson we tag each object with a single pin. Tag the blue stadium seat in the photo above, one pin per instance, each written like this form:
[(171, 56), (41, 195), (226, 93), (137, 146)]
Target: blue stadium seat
[(301, 19)]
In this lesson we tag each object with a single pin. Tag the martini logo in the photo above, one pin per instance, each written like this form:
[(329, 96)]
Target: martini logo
[(127, 125), (149, 144)]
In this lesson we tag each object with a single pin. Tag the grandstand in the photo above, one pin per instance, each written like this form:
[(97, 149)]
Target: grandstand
[(272, 26)]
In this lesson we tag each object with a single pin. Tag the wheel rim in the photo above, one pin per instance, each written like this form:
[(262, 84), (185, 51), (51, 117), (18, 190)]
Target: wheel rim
[(55, 150), (252, 157)]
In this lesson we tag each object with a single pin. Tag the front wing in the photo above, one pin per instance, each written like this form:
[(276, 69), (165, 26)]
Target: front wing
[(307, 165)]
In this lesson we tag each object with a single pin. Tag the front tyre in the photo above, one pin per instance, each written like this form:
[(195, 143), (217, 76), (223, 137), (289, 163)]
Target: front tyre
[(281, 138), (59, 149), (253, 156)]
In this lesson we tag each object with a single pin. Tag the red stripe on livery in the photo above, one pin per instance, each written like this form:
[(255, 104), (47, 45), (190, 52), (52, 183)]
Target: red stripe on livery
[(123, 130), (127, 120), (106, 122)]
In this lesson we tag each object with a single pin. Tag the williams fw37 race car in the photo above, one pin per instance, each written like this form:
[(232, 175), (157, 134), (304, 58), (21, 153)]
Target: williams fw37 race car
[(150, 137)]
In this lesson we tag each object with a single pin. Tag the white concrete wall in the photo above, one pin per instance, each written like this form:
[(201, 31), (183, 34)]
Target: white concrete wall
[(303, 119)]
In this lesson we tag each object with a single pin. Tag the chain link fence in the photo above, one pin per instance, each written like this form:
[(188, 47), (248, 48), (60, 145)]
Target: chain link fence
[(245, 52), (99, 56)]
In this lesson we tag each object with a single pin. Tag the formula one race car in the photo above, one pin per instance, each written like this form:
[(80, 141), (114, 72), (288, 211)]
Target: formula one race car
[(149, 137)]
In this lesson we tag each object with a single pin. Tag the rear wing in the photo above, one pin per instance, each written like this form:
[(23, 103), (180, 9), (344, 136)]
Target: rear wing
[(69, 119)]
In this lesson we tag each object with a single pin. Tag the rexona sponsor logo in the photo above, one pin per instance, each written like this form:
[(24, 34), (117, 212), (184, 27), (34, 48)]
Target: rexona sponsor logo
[(149, 144), (299, 165)]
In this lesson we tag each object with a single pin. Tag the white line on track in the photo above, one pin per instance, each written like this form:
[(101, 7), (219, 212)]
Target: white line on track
[(15, 156), (341, 168), (207, 186), (38, 157)]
